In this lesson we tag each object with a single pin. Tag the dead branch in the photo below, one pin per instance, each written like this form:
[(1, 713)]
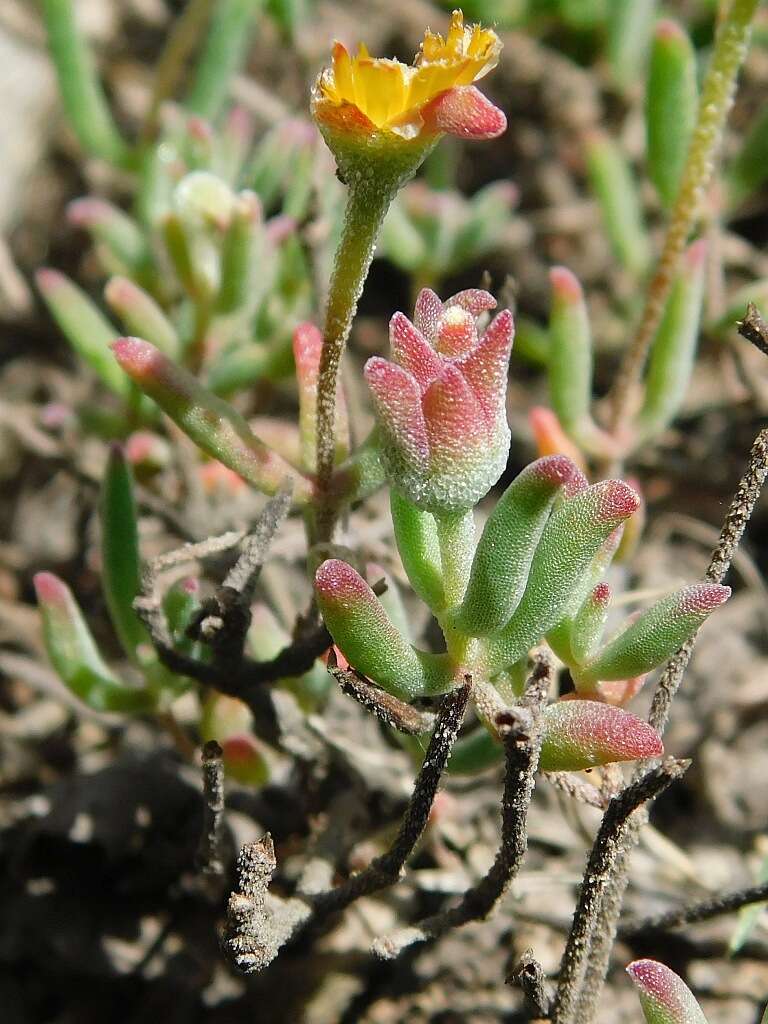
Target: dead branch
[(597, 877), (258, 924), (519, 730), (691, 913), (209, 853), (754, 328), (387, 869), (529, 976), (393, 712)]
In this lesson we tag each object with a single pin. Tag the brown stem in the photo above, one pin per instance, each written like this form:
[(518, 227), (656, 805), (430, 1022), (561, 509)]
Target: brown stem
[(386, 869), (519, 730), (209, 853), (693, 912), (597, 877)]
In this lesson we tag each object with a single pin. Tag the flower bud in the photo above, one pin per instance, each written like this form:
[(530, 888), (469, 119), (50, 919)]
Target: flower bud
[(441, 403)]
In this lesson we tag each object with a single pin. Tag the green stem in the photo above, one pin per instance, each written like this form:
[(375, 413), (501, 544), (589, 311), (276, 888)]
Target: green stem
[(367, 204), (456, 539), (374, 168), (716, 100)]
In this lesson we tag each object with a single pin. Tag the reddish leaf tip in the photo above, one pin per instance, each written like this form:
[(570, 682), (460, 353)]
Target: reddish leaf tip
[(87, 210), (696, 254), (137, 357), (49, 588), (47, 279), (668, 29), (703, 597), (601, 594), (617, 500), (338, 580), (307, 345), (565, 285)]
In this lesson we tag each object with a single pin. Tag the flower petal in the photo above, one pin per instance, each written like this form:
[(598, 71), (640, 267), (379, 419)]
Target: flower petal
[(456, 332), (485, 368), (455, 420), (397, 399), (464, 111), (474, 300), (427, 312), (412, 351)]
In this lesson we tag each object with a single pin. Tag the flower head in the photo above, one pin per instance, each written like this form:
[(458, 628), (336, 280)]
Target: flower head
[(441, 403), (365, 95)]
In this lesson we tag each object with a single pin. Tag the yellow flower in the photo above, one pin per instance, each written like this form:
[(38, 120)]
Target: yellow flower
[(368, 94)]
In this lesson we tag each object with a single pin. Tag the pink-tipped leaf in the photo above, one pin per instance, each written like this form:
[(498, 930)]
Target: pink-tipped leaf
[(506, 547), (74, 654), (213, 424), (655, 635), (664, 996), (369, 641), (581, 734), (571, 541)]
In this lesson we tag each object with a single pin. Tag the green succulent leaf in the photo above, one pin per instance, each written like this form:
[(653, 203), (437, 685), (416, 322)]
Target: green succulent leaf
[(656, 634), (670, 107), (370, 642), (75, 656), (507, 545), (121, 568), (570, 542)]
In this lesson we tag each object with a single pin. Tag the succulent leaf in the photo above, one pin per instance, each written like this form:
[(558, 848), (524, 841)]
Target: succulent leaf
[(417, 541), (670, 107), (656, 634), (369, 641), (74, 654), (674, 347), (570, 543), (83, 325), (581, 734), (589, 623), (213, 424), (121, 567), (506, 547), (664, 996)]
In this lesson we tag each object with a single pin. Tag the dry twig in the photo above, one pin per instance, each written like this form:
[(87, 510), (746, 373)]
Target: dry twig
[(691, 913), (597, 877), (519, 730), (209, 853)]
